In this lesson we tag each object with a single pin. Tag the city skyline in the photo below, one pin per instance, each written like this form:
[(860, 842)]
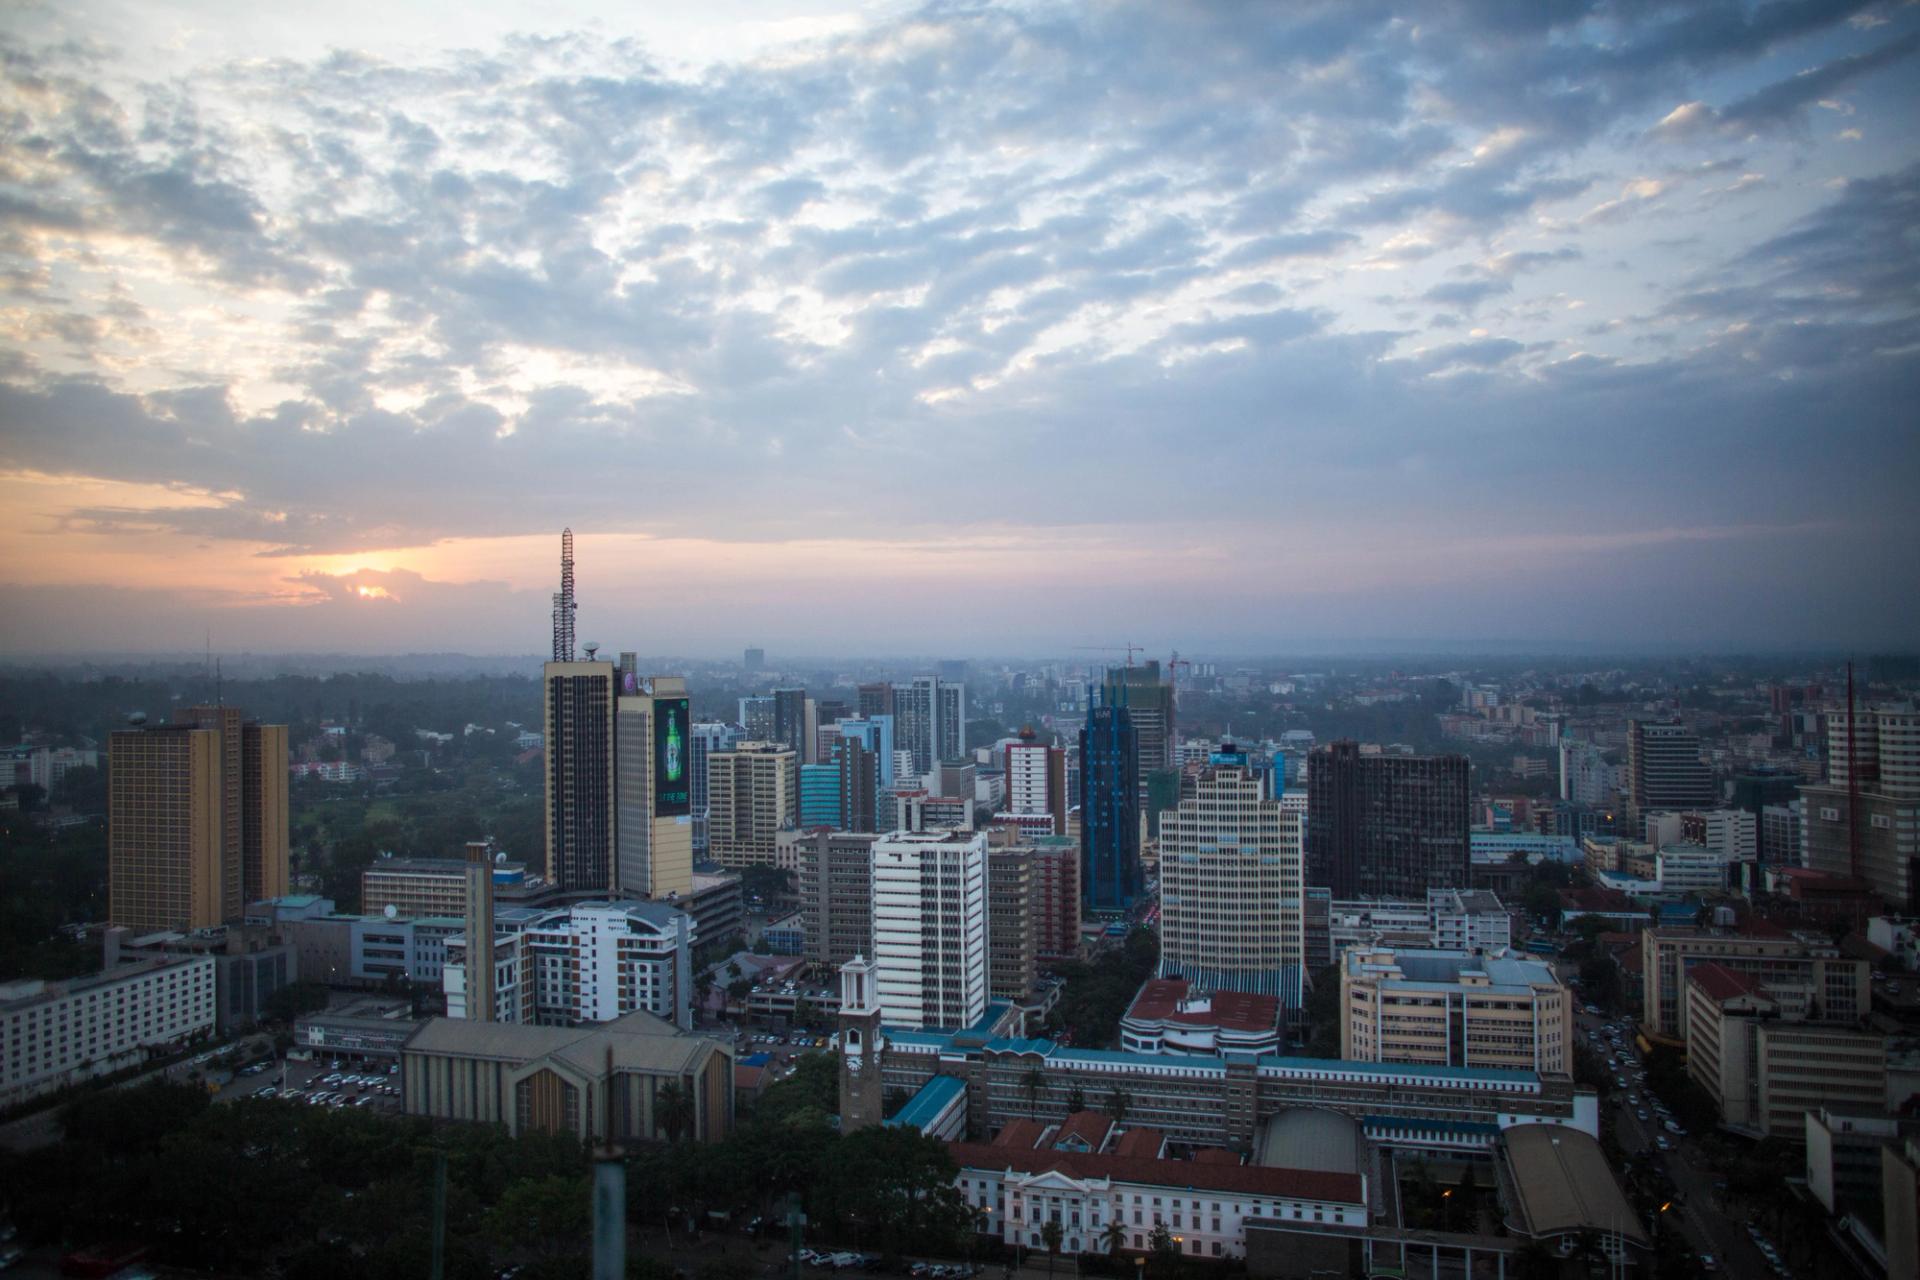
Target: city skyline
[(1293, 325)]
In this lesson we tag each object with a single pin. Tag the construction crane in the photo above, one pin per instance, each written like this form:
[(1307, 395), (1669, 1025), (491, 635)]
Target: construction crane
[(1174, 664), (1129, 649)]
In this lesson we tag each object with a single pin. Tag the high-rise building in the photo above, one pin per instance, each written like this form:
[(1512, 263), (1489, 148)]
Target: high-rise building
[(790, 727), (1387, 826), (1586, 778), (856, 772), (756, 719), (1865, 820), (1150, 702), (754, 659), (930, 928), (875, 733), (1056, 889), (753, 791), (196, 819), (875, 700), (654, 807), (930, 720), (820, 796), (1665, 770), (479, 971), (1231, 887), (1109, 810), (1012, 956), (1037, 779), (835, 880), (708, 737), (578, 719)]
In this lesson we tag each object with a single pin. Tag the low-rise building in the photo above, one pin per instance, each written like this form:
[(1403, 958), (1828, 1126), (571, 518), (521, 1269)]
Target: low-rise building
[(1166, 1017), (427, 886), (54, 1034), (1454, 1008), (1449, 920), (1776, 958), (596, 961)]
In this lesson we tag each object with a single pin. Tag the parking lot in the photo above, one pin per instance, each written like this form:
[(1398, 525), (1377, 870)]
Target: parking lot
[(336, 1082)]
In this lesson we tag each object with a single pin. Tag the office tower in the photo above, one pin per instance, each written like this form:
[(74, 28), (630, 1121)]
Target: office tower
[(957, 778), (1386, 826), (708, 737), (478, 877), (753, 791), (1056, 889), (756, 719), (875, 700), (1865, 820), (1149, 700), (857, 776), (1231, 885), (196, 819), (653, 829), (918, 810), (754, 659), (820, 795), (1037, 779), (835, 879), (930, 928), (592, 962), (1780, 834), (1109, 810), (1664, 769), (1806, 963), (578, 719), (875, 733), (1466, 1009), (930, 720), (790, 723), (1585, 776), (1012, 957)]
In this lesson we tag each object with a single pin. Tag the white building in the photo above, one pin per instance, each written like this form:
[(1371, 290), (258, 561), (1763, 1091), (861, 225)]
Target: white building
[(590, 962), (1449, 920), (930, 927), (1585, 776), (1691, 869), (54, 1034), (513, 993)]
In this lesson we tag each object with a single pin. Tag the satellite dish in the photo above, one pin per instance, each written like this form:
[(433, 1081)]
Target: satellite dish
[(392, 911), (137, 718), (592, 648)]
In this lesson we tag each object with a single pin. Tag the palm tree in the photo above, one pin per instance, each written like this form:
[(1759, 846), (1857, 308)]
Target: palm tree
[(1115, 1236), (1050, 1236), (673, 1110), (1036, 1080), (1076, 1099), (1117, 1104)]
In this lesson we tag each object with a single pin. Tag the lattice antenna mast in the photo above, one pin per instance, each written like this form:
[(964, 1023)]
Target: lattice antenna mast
[(563, 604)]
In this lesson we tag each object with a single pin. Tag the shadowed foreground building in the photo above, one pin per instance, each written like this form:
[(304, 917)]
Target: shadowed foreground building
[(535, 1079)]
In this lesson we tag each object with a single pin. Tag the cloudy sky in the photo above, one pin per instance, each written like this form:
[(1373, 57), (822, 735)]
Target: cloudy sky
[(962, 328)]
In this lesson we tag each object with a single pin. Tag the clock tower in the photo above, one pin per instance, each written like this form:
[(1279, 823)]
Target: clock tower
[(862, 1047)]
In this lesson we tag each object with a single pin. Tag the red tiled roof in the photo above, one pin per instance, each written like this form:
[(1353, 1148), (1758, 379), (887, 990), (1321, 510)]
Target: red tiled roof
[(1139, 1143), (1159, 1001), (745, 1077), (1720, 982), (1216, 1155), (1024, 1134), (1192, 1175), (1090, 1127)]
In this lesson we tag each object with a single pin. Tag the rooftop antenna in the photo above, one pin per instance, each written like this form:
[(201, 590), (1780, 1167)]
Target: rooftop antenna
[(563, 605), (219, 697)]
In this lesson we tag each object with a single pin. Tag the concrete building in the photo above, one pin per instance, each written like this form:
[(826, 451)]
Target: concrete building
[(580, 781), (508, 995), (716, 905), (1110, 811), (196, 819), (930, 721), (1056, 887), (416, 887), (1387, 826), (1037, 781), (753, 793), (1900, 1205), (1665, 769), (1586, 779), (597, 961), (1168, 1016), (653, 784), (1765, 1066), (930, 928), (1780, 842), (53, 1034), (707, 738), (1452, 1008), (1231, 885), (920, 811), (1843, 1158), (1449, 920), (582, 1081), (1692, 869), (1874, 769), (835, 879), (1012, 963), (1805, 962)]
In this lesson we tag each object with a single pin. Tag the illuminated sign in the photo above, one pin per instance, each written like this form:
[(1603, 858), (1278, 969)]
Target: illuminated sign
[(672, 763)]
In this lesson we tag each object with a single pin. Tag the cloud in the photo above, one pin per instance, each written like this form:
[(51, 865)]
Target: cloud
[(1784, 101)]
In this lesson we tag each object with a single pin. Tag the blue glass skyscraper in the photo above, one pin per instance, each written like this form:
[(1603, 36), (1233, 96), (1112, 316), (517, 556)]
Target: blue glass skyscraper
[(1109, 810)]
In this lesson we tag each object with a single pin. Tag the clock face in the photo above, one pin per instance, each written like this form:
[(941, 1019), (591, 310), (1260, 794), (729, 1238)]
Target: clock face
[(853, 1065)]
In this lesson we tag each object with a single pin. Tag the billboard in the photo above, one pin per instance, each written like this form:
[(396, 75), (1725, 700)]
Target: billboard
[(672, 763)]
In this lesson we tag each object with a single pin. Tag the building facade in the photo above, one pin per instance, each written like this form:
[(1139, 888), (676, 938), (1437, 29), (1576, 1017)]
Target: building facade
[(580, 781), (930, 928), (1873, 784), (1454, 1008), (1837, 985), (1387, 826), (835, 879), (1037, 781), (1012, 956), (653, 788), (753, 793), (53, 1034), (1110, 876), (1665, 769)]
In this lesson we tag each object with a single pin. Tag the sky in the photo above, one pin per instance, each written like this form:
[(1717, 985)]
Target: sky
[(959, 328)]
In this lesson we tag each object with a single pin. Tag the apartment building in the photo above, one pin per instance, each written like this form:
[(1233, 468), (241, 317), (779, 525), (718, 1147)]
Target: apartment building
[(53, 1034), (1805, 962), (930, 928), (753, 792), (1454, 1008), (592, 961)]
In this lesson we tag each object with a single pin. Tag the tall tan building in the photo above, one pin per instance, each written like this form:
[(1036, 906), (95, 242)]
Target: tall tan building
[(1454, 1009), (578, 717), (196, 819), (1231, 889), (753, 792), (836, 893), (1012, 966), (653, 794)]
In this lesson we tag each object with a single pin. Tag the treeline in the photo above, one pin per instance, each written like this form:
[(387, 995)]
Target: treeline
[(48, 879), (1098, 991)]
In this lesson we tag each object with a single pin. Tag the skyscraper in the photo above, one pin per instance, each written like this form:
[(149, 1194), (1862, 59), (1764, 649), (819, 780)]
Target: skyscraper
[(1387, 826), (820, 796), (790, 726), (708, 737), (578, 719), (1231, 888), (1664, 769), (1012, 964), (930, 720), (1109, 810), (1037, 779), (930, 928), (857, 775), (196, 819), (1149, 701), (654, 811), (756, 718), (753, 792), (876, 700), (477, 880)]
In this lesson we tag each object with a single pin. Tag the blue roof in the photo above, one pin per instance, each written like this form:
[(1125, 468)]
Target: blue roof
[(1004, 1045), (1396, 1068), (756, 1060), (925, 1106)]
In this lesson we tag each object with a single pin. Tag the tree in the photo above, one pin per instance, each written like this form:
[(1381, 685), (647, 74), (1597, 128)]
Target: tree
[(1076, 1099), (1114, 1235), (548, 1215), (1050, 1235), (1035, 1080), (673, 1111), (1118, 1104)]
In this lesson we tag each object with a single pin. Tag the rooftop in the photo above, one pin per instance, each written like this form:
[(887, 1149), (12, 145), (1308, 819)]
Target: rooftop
[(1720, 982), (1310, 1138), (1564, 1184), (638, 1040), (1191, 1175), (926, 1105), (1167, 1000)]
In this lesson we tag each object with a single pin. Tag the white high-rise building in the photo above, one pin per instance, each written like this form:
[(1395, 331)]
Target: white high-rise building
[(1232, 877), (930, 721), (1585, 776), (930, 927), (590, 962)]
